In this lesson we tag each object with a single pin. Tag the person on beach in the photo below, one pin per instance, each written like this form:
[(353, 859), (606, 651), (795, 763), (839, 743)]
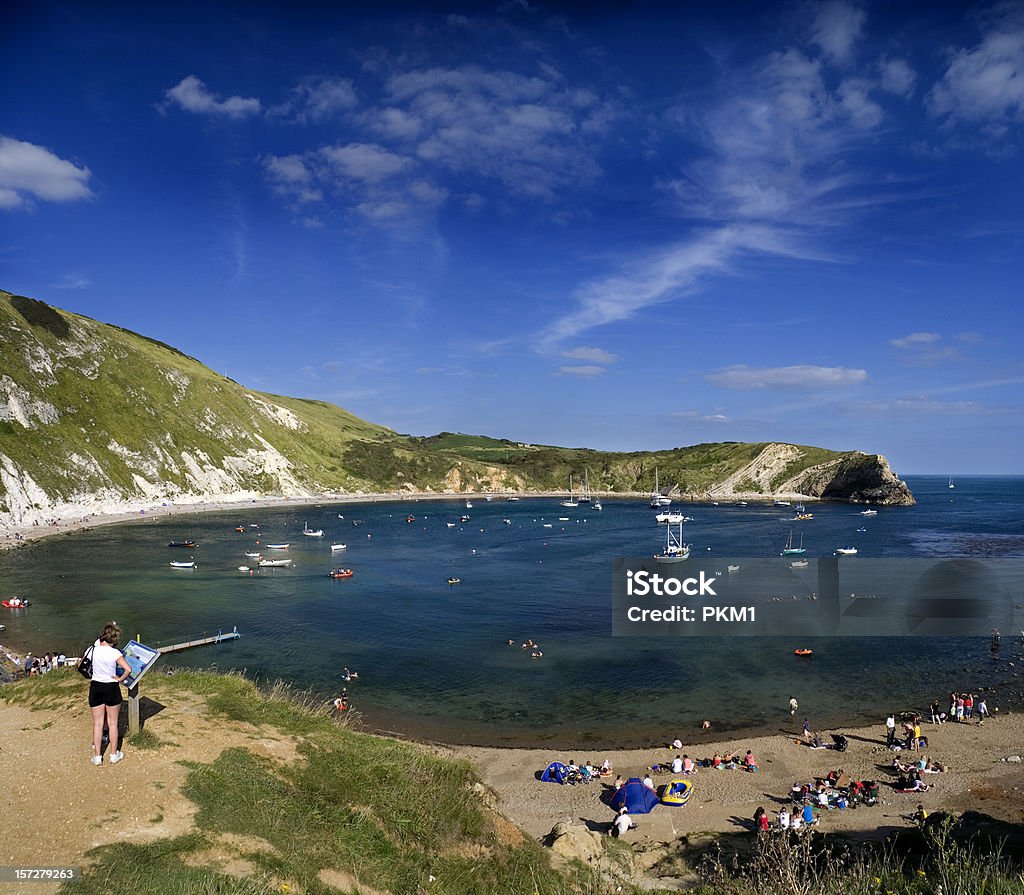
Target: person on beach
[(808, 816), (793, 705), (968, 706), (622, 823), (688, 767), (749, 762), (677, 765), (890, 729), (935, 712), (807, 730), (783, 818), (982, 711), (105, 691)]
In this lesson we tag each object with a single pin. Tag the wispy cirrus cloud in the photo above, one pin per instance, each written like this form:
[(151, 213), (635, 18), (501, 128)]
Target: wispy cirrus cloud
[(800, 376), (904, 407), (915, 340), (29, 172), (192, 95), (767, 183)]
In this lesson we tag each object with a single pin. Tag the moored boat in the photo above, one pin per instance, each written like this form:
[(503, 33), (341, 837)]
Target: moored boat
[(14, 603), (846, 551), (183, 544), (340, 573), (264, 563), (190, 564), (675, 549), (335, 547), (276, 546)]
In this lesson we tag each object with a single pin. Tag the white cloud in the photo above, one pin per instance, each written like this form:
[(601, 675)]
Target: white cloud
[(835, 28), (365, 161), (800, 376), (854, 97), (915, 340), (318, 100), (393, 124), (985, 82), (192, 95), (528, 132), (586, 371), (597, 355), (896, 77), (28, 170)]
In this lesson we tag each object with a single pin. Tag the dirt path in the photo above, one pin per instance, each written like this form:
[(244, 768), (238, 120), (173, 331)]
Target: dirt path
[(58, 805)]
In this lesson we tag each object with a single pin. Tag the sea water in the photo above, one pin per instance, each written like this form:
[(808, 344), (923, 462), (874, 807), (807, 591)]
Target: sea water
[(433, 659)]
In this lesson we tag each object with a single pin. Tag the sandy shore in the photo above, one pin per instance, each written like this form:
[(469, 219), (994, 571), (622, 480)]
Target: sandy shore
[(725, 800)]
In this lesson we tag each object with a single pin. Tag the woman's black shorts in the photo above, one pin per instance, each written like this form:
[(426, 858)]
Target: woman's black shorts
[(104, 694)]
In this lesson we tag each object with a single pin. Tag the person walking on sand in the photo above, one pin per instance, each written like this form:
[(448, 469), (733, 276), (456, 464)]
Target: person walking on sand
[(108, 663), (807, 730), (890, 729), (793, 705)]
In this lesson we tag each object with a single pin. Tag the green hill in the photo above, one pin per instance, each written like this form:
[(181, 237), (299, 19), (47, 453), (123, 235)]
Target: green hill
[(93, 417)]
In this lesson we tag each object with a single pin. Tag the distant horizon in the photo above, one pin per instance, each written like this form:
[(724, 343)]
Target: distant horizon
[(627, 225)]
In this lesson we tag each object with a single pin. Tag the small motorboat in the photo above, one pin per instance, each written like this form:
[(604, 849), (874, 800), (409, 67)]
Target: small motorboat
[(454, 580), (506, 521), (340, 573), (450, 524), (183, 544), (410, 518), (338, 547), (846, 551), (463, 518), (799, 564), (310, 533), (264, 563), (276, 546), (254, 555), (190, 564), (803, 652), (244, 569), (14, 603), (240, 528), (734, 568)]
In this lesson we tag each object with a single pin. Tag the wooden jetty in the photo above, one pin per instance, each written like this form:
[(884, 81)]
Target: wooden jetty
[(219, 637)]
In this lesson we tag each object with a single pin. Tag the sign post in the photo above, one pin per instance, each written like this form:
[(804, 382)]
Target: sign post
[(141, 658)]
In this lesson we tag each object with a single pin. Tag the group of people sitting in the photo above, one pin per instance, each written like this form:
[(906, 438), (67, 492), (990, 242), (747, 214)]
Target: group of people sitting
[(797, 820), (730, 761), (586, 772), (834, 791)]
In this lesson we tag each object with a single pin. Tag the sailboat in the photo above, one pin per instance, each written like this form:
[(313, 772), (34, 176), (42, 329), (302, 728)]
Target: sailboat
[(657, 498), (310, 533), (675, 549), (570, 501), (951, 485), (789, 549), (586, 497)]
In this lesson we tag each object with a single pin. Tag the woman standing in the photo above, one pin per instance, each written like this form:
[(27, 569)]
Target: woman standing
[(105, 691)]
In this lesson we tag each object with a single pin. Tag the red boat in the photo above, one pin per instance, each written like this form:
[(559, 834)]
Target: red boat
[(340, 573), (14, 603)]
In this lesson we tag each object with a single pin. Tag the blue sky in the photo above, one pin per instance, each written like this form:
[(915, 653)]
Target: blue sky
[(624, 226)]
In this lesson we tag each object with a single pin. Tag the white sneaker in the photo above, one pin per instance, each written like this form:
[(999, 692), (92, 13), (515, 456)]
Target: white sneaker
[(97, 759), (116, 757)]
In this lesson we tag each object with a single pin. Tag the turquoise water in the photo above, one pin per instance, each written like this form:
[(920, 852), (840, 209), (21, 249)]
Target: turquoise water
[(433, 659)]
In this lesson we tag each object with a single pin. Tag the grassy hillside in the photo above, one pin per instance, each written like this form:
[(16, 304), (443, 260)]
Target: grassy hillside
[(95, 413)]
